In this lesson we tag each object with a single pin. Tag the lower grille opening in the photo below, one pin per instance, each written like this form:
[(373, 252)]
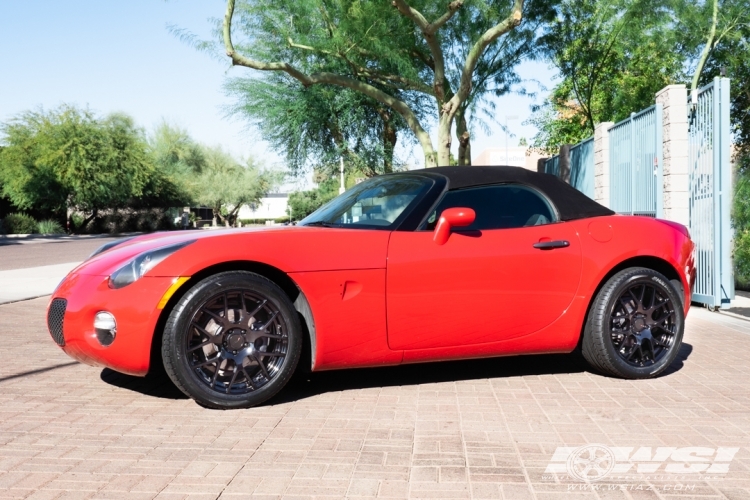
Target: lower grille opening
[(55, 317)]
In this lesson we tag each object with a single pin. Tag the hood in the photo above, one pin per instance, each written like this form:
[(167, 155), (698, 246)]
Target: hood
[(288, 248)]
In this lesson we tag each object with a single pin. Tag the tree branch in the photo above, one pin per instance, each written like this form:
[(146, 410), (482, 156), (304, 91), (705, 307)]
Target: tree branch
[(489, 36), (327, 78), (429, 31), (706, 49)]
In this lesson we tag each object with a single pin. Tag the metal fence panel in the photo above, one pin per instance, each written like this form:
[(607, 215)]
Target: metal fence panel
[(635, 148), (710, 190), (582, 167), (552, 166)]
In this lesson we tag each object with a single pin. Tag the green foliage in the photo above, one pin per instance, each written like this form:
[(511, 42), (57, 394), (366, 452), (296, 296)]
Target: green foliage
[(612, 56), (68, 158), (49, 226), (19, 223), (348, 78), (262, 222), (741, 221), (303, 203), (318, 125)]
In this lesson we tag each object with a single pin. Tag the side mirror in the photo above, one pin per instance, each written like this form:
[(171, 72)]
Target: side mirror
[(450, 218)]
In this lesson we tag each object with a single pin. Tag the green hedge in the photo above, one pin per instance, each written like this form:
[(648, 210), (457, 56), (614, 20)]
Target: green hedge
[(20, 224), (262, 222)]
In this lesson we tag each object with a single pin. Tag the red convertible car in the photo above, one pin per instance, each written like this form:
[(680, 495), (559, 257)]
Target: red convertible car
[(428, 265)]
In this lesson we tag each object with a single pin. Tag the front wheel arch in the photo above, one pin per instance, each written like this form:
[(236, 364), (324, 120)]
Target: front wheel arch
[(274, 274)]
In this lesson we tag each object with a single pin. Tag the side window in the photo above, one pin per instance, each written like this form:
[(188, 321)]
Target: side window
[(503, 206)]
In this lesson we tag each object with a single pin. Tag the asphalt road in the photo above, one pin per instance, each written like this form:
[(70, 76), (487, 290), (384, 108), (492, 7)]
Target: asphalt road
[(18, 254)]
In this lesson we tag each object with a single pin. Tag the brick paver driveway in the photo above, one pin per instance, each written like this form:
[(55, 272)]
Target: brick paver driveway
[(479, 429)]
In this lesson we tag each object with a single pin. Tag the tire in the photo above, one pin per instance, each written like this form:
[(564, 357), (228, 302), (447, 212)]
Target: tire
[(635, 325), (232, 341)]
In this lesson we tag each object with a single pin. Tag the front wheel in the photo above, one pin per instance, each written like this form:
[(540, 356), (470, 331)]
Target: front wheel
[(233, 341), (635, 326)]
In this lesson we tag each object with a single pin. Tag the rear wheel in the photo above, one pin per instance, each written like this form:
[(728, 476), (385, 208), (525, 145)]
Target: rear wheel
[(233, 341), (635, 325)]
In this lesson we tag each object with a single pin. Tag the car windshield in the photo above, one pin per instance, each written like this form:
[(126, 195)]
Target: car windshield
[(374, 203)]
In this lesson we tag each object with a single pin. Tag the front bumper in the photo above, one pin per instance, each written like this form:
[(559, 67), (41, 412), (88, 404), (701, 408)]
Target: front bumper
[(136, 312)]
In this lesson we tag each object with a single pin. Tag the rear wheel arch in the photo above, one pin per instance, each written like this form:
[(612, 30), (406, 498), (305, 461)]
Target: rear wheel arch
[(274, 274), (649, 262)]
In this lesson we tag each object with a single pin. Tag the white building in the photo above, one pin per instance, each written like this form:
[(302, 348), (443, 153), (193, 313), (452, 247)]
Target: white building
[(272, 206), (518, 156)]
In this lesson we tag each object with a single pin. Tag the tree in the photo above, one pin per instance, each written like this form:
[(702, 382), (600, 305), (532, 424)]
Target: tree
[(368, 46), (303, 203), (68, 159), (317, 126), (612, 59), (224, 185)]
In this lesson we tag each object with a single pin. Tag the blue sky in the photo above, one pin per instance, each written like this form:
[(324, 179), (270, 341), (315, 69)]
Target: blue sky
[(120, 56)]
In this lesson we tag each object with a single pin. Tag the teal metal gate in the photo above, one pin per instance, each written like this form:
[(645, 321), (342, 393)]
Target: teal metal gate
[(635, 162), (582, 167), (710, 190), (581, 163)]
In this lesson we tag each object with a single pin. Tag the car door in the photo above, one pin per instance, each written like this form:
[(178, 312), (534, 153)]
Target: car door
[(507, 275)]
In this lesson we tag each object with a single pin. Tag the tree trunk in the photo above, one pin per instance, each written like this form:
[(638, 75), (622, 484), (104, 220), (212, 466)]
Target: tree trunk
[(390, 138), (464, 139), (85, 223), (444, 139), (706, 49)]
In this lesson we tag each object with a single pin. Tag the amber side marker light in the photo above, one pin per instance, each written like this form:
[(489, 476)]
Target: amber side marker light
[(176, 284)]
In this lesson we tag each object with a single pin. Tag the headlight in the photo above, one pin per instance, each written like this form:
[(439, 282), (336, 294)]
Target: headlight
[(141, 264), (109, 245)]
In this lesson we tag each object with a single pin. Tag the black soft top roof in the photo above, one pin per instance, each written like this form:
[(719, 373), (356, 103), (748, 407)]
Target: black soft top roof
[(570, 203)]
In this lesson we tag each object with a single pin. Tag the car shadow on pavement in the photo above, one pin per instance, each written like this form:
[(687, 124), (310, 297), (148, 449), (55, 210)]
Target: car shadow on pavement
[(157, 384), (685, 351), (307, 385)]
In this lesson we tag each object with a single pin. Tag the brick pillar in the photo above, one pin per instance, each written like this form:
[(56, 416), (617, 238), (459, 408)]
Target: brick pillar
[(673, 99), (601, 163)]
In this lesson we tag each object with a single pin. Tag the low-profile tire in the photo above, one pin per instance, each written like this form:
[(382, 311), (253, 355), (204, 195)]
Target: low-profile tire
[(232, 341), (635, 325)]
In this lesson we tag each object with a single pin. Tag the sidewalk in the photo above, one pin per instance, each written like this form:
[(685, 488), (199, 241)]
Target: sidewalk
[(29, 283)]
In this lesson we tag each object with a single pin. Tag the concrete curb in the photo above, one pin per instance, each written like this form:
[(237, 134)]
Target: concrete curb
[(64, 237)]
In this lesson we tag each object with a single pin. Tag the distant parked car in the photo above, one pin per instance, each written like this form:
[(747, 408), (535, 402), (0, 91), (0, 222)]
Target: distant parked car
[(428, 265)]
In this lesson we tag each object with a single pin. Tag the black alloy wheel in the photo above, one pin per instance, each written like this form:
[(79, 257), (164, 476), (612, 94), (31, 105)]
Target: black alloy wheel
[(635, 325), (232, 341), (643, 323)]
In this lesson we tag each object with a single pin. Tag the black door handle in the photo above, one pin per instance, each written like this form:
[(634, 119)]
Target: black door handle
[(549, 245)]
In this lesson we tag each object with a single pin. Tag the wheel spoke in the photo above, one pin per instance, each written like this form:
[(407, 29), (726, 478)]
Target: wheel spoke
[(249, 378), (272, 336), (202, 345), (216, 375), (269, 321), (257, 309), (226, 307), (262, 367), (234, 377), (201, 330), (215, 360), (631, 352), (215, 316)]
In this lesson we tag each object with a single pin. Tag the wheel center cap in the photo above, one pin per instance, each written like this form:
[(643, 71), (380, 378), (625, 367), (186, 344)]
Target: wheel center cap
[(639, 324), (236, 341)]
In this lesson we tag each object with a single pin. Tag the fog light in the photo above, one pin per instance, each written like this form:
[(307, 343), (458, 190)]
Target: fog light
[(106, 328)]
